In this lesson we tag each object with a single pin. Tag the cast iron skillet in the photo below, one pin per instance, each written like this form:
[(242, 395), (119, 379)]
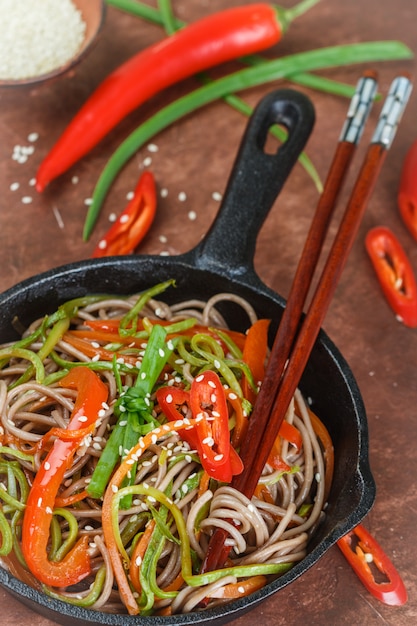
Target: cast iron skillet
[(223, 261)]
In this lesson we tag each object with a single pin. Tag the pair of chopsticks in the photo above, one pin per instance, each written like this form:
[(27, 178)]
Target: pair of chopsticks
[(296, 335)]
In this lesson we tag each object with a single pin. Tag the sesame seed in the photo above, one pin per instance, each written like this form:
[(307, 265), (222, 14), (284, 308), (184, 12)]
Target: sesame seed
[(200, 378), (216, 196), (138, 561), (219, 457), (164, 193), (58, 217), (88, 201), (14, 186), (32, 137), (96, 358), (82, 418), (39, 501), (27, 199), (114, 488), (192, 215), (48, 510), (124, 218), (32, 182), (75, 180), (152, 147), (182, 196), (241, 589), (147, 161), (47, 465)]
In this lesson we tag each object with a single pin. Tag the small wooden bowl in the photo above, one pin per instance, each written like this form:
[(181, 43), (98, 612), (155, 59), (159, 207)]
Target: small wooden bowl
[(93, 14)]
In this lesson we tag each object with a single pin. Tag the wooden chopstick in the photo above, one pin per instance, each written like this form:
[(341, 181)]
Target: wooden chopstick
[(295, 336)]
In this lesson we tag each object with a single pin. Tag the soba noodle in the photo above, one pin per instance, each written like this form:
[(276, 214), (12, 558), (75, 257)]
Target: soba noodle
[(267, 534)]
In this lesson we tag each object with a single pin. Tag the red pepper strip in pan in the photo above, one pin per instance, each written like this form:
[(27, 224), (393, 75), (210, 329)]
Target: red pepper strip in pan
[(213, 40), (133, 223), (75, 566), (407, 193), (394, 273), (360, 548), (254, 355), (211, 437)]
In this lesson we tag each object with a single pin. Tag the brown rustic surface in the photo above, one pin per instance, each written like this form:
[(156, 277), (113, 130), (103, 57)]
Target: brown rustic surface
[(195, 156)]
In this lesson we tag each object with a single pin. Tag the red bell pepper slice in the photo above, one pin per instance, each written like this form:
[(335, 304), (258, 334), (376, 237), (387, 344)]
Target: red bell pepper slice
[(254, 355), (360, 548), (75, 566), (133, 223), (394, 272), (210, 437), (407, 192)]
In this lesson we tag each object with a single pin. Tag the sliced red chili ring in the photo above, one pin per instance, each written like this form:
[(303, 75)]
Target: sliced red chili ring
[(361, 550), (394, 272)]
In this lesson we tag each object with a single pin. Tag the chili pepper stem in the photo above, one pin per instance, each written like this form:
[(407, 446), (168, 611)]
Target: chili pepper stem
[(286, 16)]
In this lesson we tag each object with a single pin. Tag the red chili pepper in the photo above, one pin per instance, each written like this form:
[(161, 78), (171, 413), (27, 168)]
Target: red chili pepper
[(394, 272), (407, 193), (213, 40), (210, 437), (361, 549), (75, 566), (134, 222)]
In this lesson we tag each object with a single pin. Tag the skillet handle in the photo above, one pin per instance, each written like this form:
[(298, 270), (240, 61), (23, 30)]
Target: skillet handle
[(255, 181)]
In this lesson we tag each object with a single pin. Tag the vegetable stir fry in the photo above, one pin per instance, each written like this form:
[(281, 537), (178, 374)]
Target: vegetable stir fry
[(122, 421)]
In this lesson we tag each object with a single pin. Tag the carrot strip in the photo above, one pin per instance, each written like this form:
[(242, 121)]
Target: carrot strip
[(176, 584), (239, 589), (263, 493), (241, 425), (91, 351), (138, 554), (204, 484), (70, 500)]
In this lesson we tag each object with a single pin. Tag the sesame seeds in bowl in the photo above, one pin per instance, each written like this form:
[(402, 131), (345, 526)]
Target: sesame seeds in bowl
[(42, 39)]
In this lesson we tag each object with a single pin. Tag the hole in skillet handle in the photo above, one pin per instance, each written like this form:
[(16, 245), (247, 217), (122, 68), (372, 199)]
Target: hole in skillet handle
[(256, 179)]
